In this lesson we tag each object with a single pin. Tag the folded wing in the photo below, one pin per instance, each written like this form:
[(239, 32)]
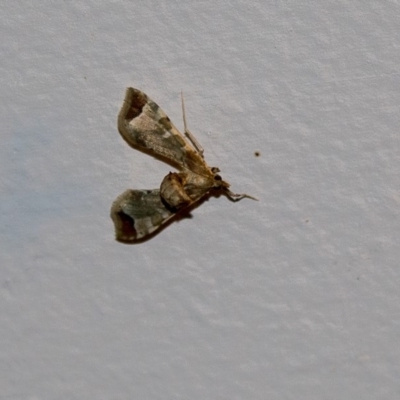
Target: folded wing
[(145, 126), (138, 213)]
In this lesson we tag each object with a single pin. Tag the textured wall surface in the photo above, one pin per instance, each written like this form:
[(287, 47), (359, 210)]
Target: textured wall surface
[(292, 297)]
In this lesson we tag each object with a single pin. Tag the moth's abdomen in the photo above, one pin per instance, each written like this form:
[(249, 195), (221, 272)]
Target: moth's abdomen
[(172, 191)]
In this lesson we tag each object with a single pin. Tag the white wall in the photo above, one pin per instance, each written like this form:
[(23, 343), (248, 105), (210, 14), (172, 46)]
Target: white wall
[(292, 297)]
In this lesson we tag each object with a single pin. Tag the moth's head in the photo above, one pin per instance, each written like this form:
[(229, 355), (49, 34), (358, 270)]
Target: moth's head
[(219, 183)]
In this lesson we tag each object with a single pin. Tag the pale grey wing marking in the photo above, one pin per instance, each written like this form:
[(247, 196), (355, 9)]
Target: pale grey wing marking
[(144, 125), (138, 213)]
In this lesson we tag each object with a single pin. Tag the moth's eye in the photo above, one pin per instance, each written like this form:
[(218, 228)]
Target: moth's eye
[(217, 178)]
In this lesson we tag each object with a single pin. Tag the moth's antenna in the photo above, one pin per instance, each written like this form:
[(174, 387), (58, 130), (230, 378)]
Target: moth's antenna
[(194, 141)]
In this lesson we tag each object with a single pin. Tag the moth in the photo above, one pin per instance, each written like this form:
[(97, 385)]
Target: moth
[(137, 214)]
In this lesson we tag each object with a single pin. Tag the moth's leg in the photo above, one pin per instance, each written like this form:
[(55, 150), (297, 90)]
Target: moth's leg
[(191, 137), (237, 197)]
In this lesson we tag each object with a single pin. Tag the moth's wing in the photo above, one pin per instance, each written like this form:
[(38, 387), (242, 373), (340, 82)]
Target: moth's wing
[(137, 214), (145, 126)]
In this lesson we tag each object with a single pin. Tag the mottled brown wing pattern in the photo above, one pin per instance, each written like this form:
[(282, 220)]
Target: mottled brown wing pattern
[(145, 126), (138, 213)]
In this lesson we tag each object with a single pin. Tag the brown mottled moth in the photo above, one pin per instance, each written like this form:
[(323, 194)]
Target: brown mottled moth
[(145, 126)]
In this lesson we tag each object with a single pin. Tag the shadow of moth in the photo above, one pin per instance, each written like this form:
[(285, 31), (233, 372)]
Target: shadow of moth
[(137, 214)]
